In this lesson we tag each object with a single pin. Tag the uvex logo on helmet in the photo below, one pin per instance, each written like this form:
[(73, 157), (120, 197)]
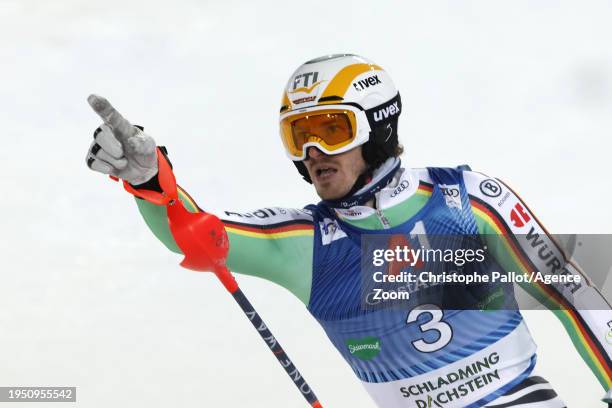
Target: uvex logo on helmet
[(386, 112), (366, 83)]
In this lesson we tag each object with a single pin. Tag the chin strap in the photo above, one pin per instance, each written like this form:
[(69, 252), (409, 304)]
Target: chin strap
[(380, 178)]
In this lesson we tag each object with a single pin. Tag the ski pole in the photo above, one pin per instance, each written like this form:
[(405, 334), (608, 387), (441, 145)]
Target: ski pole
[(224, 276), (200, 236), (203, 241)]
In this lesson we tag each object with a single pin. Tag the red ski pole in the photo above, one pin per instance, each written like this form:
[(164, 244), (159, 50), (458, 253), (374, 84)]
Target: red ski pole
[(203, 240), (199, 235)]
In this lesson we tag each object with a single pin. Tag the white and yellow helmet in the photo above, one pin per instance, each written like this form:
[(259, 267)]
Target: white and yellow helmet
[(345, 92)]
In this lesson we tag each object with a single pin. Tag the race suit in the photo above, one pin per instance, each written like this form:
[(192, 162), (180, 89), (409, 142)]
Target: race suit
[(427, 356)]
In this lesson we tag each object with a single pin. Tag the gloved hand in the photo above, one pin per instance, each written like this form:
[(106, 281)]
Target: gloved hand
[(119, 148)]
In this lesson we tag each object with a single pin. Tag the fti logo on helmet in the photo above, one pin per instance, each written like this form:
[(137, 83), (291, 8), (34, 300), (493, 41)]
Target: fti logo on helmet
[(302, 82)]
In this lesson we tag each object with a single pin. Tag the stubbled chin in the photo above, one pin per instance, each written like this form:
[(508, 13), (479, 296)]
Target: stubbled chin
[(328, 191)]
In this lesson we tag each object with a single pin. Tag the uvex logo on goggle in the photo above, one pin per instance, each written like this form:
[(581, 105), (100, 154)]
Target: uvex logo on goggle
[(307, 80), (387, 111)]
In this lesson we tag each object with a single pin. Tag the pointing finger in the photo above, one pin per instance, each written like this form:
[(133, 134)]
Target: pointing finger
[(122, 129)]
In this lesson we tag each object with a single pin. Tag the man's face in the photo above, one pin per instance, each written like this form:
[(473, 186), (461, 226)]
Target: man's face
[(334, 176)]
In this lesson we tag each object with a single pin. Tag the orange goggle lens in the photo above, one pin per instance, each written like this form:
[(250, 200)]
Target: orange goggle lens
[(331, 129)]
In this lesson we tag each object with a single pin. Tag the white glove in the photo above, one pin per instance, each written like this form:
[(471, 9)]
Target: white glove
[(119, 148)]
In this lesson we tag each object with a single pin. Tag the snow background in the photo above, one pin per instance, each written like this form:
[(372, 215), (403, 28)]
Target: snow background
[(89, 298)]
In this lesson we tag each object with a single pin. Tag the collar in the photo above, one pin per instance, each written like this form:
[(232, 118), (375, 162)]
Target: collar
[(380, 178)]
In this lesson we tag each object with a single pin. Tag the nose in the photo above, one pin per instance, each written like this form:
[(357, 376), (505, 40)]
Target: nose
[(314, 152)]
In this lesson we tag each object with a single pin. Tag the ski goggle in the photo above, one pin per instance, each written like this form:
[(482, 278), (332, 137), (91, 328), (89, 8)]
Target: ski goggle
[(332, 129)]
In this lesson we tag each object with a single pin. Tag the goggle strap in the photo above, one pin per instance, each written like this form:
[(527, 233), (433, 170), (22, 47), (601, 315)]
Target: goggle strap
[(384, 113)]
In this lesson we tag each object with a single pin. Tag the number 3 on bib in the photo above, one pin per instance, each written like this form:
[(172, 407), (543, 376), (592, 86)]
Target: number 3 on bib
[(445, 333)]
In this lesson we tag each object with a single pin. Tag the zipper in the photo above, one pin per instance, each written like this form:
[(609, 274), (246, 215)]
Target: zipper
[(379, 213), (383, 220)]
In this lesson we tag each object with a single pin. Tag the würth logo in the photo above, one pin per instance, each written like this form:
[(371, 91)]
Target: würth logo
[(519, 216), (386, 112), (366, 83)]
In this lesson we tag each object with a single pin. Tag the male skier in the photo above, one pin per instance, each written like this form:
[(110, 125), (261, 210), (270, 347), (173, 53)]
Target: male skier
[(338, 123)]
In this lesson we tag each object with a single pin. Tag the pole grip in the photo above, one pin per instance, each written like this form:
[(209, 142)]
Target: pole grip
[(226, 278)]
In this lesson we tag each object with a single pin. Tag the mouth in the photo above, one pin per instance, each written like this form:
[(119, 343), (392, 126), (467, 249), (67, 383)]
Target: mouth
[(324, 172)]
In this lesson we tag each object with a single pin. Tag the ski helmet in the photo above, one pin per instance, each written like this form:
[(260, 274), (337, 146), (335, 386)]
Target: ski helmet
[(349, 91)]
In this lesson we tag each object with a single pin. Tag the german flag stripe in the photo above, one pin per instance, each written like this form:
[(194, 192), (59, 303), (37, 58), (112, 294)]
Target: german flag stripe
[(271, 234), (583, 334), (272, 231), (279, 226), (285, 229), (425, 187), (585, 328)]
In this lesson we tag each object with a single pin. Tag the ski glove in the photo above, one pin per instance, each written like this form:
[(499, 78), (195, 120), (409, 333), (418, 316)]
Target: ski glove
[(119, 148)]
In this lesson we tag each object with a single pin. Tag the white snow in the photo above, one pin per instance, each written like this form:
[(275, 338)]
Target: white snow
[(519, 90)]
